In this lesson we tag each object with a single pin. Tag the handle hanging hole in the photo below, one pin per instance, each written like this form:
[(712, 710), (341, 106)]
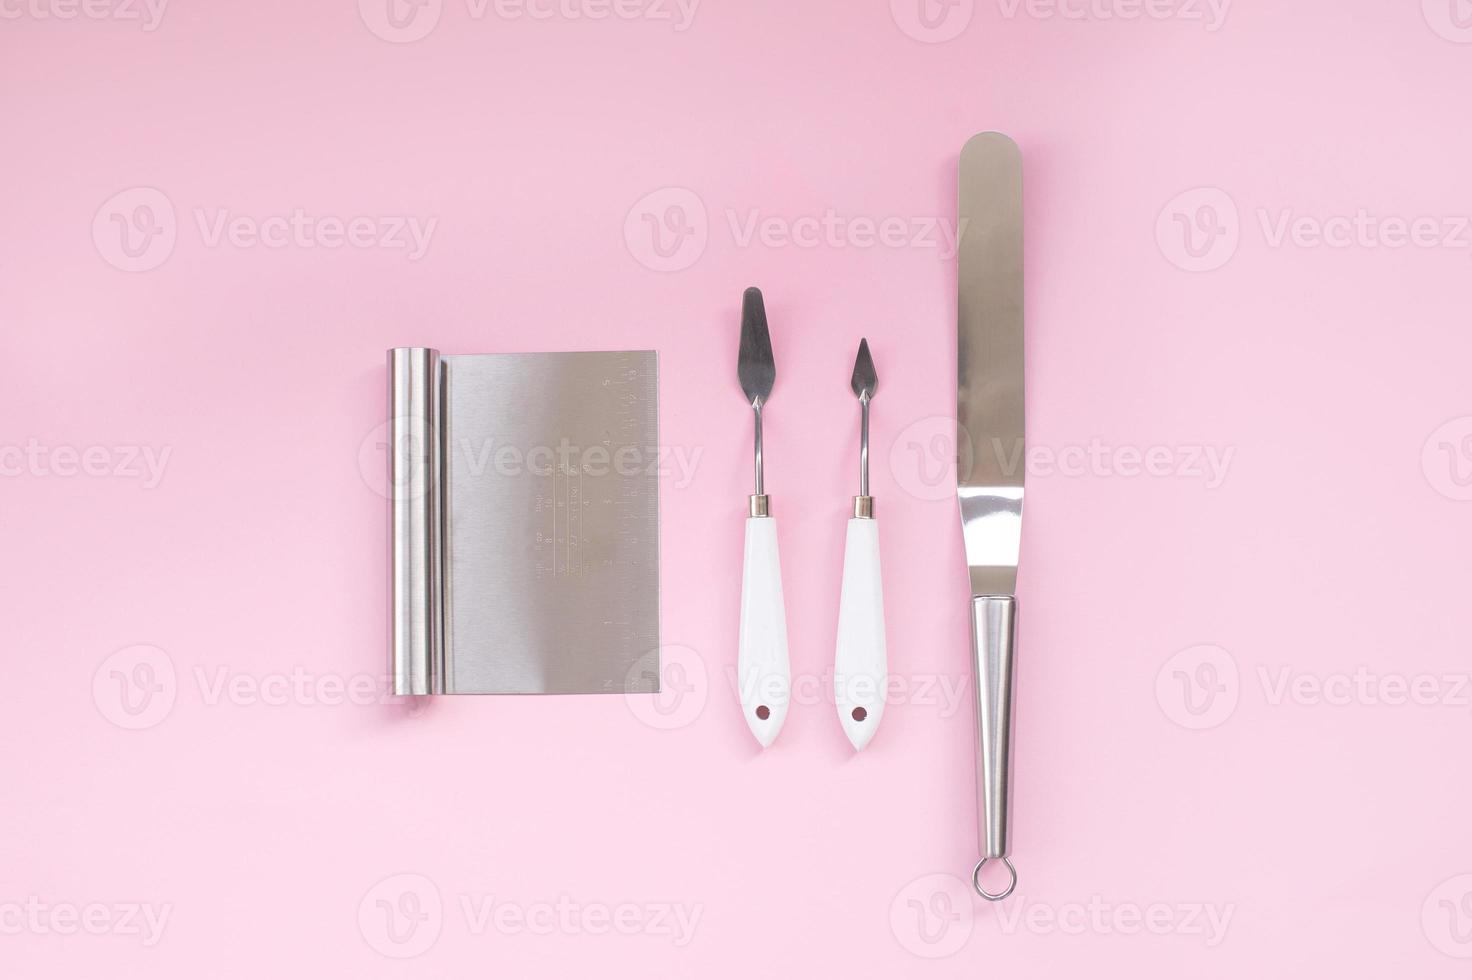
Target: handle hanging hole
[(993, 896)]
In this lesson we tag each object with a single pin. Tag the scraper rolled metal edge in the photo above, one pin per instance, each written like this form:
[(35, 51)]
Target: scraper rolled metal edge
[(990, 458)]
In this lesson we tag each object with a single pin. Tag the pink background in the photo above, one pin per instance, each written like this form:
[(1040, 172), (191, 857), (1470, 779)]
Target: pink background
[(1160, 762)]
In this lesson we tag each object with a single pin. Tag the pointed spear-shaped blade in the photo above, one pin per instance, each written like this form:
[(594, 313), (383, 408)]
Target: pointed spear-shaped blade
[(864, 381)]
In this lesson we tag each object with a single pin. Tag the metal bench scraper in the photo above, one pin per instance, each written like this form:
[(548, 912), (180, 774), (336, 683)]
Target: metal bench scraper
[(525, 509)]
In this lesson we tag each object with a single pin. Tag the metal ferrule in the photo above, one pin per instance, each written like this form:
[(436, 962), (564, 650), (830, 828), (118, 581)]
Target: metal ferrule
[(760, 505), (864, 507)]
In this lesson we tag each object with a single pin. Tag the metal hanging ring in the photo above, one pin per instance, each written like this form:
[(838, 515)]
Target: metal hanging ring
[(993, 896)]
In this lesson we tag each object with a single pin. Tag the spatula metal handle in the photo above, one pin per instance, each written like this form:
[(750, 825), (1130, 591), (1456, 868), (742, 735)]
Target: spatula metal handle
[(994, 641)]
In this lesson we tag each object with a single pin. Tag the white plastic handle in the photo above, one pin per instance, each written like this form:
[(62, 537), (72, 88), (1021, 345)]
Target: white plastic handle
[(861, 670), (761, 665)]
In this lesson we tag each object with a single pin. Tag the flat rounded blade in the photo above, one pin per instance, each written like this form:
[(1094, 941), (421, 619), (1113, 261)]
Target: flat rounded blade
[(754, 365), (991, 452)]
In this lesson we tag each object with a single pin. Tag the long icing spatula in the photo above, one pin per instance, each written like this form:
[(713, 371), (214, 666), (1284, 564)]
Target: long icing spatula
[(989, 434)]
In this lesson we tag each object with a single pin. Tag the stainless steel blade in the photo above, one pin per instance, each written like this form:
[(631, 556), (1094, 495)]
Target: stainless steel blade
[(865, 382), (755, 368), (990, 449), (551, 556), (757, 372)]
